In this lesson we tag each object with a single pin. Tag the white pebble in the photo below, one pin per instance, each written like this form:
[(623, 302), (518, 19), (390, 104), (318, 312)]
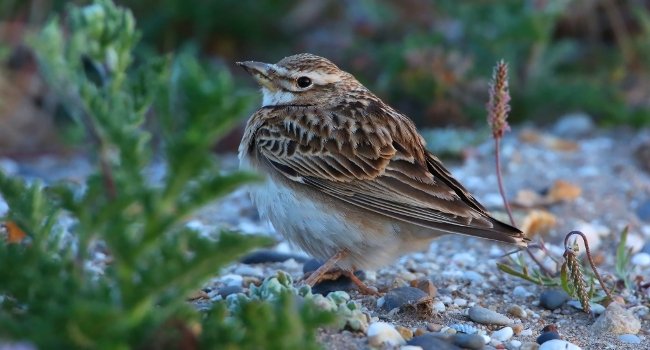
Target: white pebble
[(384, 333), (466, 259), (520, 292), (641, 259), (515, 344), (411, 347), (460, 302), (232, 280), (558, 344), (634, 241), (503, 334), (526, 333), (486, 338), (473, 276), (439, 306), (246, 270)]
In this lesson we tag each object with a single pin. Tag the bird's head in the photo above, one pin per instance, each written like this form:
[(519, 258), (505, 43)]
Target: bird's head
[(302, 79)]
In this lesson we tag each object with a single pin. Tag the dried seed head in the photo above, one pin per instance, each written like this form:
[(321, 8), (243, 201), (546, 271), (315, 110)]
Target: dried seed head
[(499, 105)]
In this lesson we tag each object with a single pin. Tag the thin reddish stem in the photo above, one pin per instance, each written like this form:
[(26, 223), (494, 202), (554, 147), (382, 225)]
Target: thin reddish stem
[(591, 261)]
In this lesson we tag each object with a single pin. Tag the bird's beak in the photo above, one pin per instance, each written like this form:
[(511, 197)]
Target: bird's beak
[(260, 71)]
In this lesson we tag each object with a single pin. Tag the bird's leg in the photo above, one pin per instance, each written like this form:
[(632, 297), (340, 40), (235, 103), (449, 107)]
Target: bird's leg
[(317, 275), (328, 266), (363, 288)]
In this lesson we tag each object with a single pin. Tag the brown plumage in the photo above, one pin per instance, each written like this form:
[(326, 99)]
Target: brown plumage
[(346, 172)]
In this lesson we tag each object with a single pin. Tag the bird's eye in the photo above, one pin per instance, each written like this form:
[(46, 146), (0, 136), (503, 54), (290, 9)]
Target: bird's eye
[(303, 82)]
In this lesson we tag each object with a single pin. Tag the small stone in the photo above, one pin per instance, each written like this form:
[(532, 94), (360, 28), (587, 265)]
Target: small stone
[(517, 311), (404, 296), (263, 256), (520, 292), (227, 290), (518, 328), (420, 331), (406, 333), (468, 341), (473, 276), (410, 347), (546, 336), (464, 328), (643, 211), (557, 344), (232, 280), (439, 307), (526, 333), (503, 334), (629, 338), (380, 333), (431, 341), (641, 259), (574, 125), (434, 327), (514, 344), (552, 299), (616, 320), (460, 302), (486, 316), (529, 346), (246, 270), (425, 285), (597, 309)]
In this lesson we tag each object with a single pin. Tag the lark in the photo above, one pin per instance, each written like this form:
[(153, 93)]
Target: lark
[(349, 179)]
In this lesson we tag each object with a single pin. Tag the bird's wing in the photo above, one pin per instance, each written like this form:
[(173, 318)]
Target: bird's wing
[(378, 166)]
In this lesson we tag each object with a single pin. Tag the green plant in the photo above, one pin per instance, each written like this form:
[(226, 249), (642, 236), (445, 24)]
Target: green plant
[(57, 291)]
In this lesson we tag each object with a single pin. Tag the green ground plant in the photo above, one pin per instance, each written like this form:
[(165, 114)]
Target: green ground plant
[(118, 276)]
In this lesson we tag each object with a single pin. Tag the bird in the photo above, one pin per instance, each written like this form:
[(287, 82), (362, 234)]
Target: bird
[(348, 178)]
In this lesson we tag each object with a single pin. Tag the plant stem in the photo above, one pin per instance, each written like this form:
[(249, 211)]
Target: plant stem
[(591, 261), (497, 155)]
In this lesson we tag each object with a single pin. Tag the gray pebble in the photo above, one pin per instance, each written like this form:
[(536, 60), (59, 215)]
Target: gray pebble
[(546, 336), (485, 316), (227, 290), (517, 311), (574, 125), (464, 328), (617, 320), (399, 297), (552, 299), (629, 338), (431, 341), (597, 309), (469, 341), (263, 256), (643, 211)]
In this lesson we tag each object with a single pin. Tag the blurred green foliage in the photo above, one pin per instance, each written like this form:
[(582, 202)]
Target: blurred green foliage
[(431, 59), (117, 275)]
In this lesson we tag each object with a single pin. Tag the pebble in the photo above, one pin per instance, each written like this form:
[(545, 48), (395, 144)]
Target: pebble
[(263, 256), (439, 307), (518, 328), (641, 259), (468, 341), (411, 347), (460, 302), (529, 346), (231, 280), (380, 333), (515, 344), (434, 327), (517, 311), (431, 341), (405, 332), (473, 276), (503, 334), (547, 336), (557, 344), (597, 309), (552, 299), (616, 320), (311, 265), (227, 290), (246, 270), (643, 211), (486, 316), (526, 332), (464, 328), (629, 338), (399, 297), (325, 287), (574, 125), (427, 286), (521, 292)]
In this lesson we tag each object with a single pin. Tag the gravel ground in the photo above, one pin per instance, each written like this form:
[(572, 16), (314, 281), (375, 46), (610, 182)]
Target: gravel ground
[(608, 189)]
